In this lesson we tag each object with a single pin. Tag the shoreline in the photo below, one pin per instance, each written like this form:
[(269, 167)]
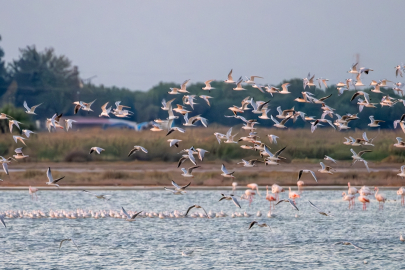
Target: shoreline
[(313, 188)]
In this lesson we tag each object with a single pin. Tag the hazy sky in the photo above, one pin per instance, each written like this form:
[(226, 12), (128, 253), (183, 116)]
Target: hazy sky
[(137, 44)]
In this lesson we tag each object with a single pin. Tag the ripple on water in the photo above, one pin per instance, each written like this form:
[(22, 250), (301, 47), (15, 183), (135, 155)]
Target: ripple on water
[(305, 242)]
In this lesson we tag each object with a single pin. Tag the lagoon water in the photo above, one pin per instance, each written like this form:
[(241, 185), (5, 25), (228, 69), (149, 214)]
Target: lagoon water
[(303, 242)]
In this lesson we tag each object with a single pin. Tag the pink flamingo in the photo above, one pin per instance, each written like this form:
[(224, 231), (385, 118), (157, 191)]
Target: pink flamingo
[(276, 189), (401, 191), (380, 198), (32, 191), (349, 198), (364, 200), (300, 185), (249, 194), (352, 191), (254, 186), (292, 195), (269, 197)]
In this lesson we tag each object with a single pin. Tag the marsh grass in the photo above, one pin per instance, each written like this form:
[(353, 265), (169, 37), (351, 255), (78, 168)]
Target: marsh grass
[(73, 146)]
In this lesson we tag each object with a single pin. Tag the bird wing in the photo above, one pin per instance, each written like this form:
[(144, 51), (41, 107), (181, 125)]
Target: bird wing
[(229, 133), (260, 107), (364, 151), (280, 201), (57, 180), (49, 175), (181, 160), (175, 185), (125, 212), (26, 106), (5, 168), (188, 210), (354, 153), (2, 220), (365, 137), (135, 215), (314, 206), (191, 157), (251, 224), (235, 201), (189, 170), (201, 153), (293, 204), (279, 151), (205, 212), (285, 120), (104, 107), (314, 176), (73, 241), (322, 165), (274, 120), (224, 169), (183, 170), (143, 149), (184, 187), (132, 151), (299, 175), (230, 75), (61, 242), (356, 246), (366, 164)]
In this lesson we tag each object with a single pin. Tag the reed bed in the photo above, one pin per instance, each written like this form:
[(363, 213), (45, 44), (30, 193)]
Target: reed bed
[(302, 145)]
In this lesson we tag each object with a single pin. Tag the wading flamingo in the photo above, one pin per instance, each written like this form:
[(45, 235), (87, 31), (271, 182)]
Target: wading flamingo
[(401, 192), (300, 185), (292, 195), (381, 198), (276, 189), (364, 200), (32, 191), (249, 195), (351, 191), (270, 197), (254, 186), (349, 198)]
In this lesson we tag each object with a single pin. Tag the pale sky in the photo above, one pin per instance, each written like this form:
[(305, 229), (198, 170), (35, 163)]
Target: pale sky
[(137, 44)]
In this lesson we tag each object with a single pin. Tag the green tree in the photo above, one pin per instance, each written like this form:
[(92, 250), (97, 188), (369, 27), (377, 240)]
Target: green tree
[(3, 72), (44, 76)]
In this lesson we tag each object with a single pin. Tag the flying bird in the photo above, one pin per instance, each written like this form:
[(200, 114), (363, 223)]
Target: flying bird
[(96, 149), (137, 148), (68, 239), (51, 181), (196, 206), (230, 197), (258, 224), (32, 109)]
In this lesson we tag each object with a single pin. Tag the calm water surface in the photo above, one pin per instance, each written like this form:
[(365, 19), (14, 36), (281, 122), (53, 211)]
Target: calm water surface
[(303, 242)]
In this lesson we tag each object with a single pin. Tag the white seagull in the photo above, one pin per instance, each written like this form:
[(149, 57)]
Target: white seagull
[(30, 110), (98, 150), (230, 198), (226, 173), (187, 173), (137, 148), (51, 181), (68, 124), (129, 217)]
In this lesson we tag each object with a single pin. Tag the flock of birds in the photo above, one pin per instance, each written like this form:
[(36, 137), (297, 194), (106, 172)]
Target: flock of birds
[(251, 141)]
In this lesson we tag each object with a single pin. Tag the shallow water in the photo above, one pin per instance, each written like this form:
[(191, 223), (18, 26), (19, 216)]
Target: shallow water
[(303, 242)]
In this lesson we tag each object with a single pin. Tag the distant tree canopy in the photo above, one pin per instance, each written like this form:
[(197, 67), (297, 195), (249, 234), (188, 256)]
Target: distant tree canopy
[(3, 72), (44, 77)]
